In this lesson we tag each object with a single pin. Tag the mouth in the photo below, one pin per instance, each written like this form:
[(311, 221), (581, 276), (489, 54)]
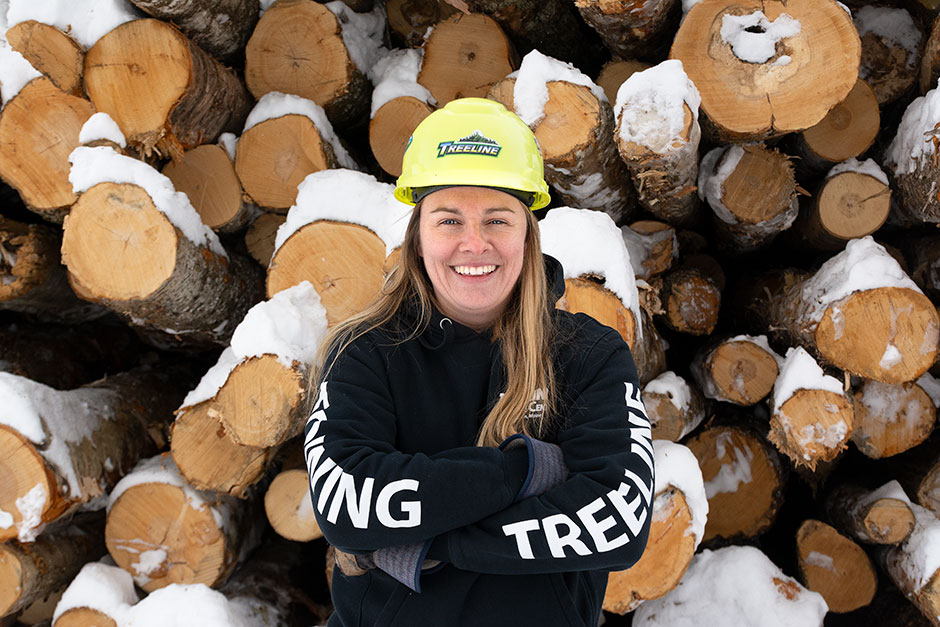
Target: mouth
[(474, 270)]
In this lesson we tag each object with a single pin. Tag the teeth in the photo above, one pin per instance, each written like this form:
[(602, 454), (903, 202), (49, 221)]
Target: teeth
[(474, 270)]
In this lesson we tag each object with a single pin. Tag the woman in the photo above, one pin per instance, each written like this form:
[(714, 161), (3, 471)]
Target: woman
[(476, 457)]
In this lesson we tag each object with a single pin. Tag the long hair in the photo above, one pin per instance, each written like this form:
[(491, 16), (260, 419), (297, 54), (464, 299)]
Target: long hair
[(524, 330)]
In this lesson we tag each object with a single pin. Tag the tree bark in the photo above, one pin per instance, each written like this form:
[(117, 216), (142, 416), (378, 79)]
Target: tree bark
[(297, 48), (124, 253), (835, 567), (583, 295), (220, 27), (164, 92), (391, 127), (576, 138), (891, 418), (930, 60), (633, 28), (907, 565), (886, 64), (53, 53), (39, 128), (750, 101), (409, 20), (740, 370), (31, 571), (207, 176), (346, 271), (873, 517), (848, 130), (463, 56)]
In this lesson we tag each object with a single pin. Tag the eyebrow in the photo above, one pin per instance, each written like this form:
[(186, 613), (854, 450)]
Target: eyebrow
[(457, 211)]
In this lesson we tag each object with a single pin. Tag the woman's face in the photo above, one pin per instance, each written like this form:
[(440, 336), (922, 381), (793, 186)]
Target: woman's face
[(472, 240)]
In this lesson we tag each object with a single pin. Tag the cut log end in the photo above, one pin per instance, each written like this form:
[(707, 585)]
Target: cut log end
[(888, 521), (101, 232), (888, 334), (849, 129), (391, 127), (853, 205), (23, 478), (346, 270), (743, 372), (10, 580), (890, 419), (206, 175), (288, 506), (155, 533), (812, 426), (835, 567), (84, 617), (668, 552), (51, 52), (583, 295), (261, 235)]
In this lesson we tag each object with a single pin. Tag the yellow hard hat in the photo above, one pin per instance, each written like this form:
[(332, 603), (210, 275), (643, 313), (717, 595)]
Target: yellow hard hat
[(473, 141)]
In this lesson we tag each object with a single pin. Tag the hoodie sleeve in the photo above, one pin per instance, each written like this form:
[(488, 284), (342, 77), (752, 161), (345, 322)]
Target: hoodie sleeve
[(599, 517), (366, 494)]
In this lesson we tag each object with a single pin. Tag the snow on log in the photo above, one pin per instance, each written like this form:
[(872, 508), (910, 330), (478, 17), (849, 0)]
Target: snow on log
[(674, 407), (220, 27), (32, 278), (765, 68), (812, 418), (30, 572), (399, 104), (598, 276), (914, 565), (848, 130), (658, 136), (320, 52), (739, 369), (853, 201), (637, 28), (691, 295), (652, 245), (752, 193), (744, 480), (39, 128), (859, 312), (409, 20), (463, 56), (614, 73), (288, 506), (99, 596), (835, 567), (892, 418), (206, 174), (56, 55), (163, 531), (679, 513), (61, 451), (261, 235), (881, 516), (353, 222), (891, 45), (911, 159), (573, 124), (735, 587), (164, 92), (136, 245), (286, 137)]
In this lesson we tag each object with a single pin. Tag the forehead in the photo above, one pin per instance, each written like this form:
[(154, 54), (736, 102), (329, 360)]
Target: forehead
[(472, 199)]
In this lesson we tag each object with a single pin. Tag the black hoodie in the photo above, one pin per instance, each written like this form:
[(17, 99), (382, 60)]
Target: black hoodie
[(392, 462)]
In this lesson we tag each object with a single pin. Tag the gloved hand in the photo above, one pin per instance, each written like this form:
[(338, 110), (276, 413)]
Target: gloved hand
[(546, 464), (400, 562)]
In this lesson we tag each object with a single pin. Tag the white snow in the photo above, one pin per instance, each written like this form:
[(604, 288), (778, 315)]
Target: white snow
[(711, 181), (886, 403), (639, 246), (890, 490), (801, 372), (677, 466), (673, 386), (820, 560), (31, 506), (99, 586), (101, 126), (347, 196), (895, 26), (650, 108), (6, 519), (362, 35), (86, 21), (753, 37), (91, 166), (185, 605), (688, 4), (737, 586), (531, 89), (913, 142), (734, 472), (863, 265), (228, 141), (868, 167), (15, 70), (929, 384), (396, 75), (276, 104), (149, 562), (921, 551), (213, 380), (588, 242)]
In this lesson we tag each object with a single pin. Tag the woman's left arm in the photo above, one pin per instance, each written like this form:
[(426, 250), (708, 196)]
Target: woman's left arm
[(597, 518)]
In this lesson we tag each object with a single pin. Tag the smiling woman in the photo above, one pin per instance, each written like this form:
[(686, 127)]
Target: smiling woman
[(469, 442)]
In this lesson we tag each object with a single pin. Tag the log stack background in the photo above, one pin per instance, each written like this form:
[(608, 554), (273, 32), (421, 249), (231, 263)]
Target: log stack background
[(75, 306)]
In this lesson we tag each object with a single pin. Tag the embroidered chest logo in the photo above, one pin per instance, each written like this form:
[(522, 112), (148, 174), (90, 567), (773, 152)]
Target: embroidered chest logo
[(536, 407), (474, 144)]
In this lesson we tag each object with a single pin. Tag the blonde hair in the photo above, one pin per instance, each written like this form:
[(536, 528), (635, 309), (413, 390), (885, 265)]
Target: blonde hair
[(524, 330)]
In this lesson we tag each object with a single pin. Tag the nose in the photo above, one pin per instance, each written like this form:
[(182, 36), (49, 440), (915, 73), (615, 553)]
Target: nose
[(474, 240)]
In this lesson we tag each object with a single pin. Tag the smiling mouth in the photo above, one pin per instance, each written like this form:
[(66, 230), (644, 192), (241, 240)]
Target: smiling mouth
[(474, 270)]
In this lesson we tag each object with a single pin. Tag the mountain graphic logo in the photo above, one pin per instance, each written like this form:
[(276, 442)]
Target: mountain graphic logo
[(476, 143)]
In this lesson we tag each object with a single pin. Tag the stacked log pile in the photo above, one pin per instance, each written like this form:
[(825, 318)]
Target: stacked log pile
[(745, 190)]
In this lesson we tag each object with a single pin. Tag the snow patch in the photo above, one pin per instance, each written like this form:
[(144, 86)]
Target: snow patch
[(733, 473), (99, 586), (673, 386), (530, 93), (754, 38), (868, 167), (913, 142), (677, 466), (101, 126), (801, 372), (362, 35), (895, 26), (85, 21), (397, 76), (820, 560)]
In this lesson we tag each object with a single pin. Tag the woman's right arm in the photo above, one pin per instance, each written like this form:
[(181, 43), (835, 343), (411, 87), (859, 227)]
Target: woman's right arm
[(366, 494)]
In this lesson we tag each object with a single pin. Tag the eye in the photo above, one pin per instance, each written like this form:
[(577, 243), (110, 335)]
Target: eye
[(448, 221), (498, 221)]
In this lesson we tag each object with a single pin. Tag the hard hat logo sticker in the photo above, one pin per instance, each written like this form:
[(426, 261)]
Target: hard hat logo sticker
[(474, 144)]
